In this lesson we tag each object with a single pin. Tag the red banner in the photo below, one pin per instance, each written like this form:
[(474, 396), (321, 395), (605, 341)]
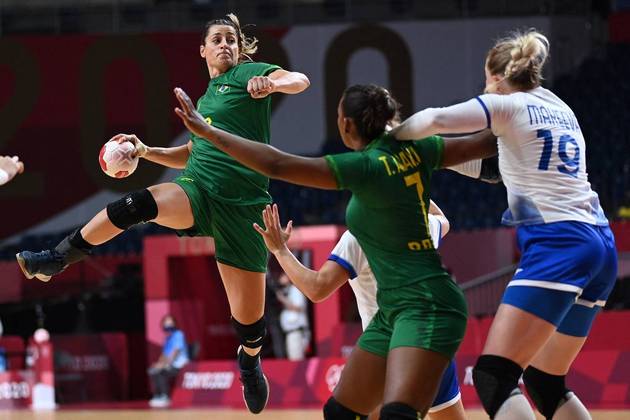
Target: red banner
[(600, 378), (91, 367), (16, 388), (292, 384)]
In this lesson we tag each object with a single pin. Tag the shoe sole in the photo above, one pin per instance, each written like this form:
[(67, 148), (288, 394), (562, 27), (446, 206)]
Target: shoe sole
[(243, 389), (22, 264)]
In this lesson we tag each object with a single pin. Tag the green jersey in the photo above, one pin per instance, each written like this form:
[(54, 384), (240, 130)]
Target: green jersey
[(388, 211), (227, 105)]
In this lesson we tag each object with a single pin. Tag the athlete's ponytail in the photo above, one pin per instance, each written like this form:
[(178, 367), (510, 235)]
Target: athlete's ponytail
[(371, 107), (519, 58), (247, 46)]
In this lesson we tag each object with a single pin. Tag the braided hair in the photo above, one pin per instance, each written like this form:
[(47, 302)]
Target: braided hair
[(520, 58)]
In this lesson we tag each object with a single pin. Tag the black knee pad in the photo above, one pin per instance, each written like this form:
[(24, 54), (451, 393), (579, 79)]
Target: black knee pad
[(252, 335), (134, 208), (547, 391), (496, 380), (335, 411), (395, 411)]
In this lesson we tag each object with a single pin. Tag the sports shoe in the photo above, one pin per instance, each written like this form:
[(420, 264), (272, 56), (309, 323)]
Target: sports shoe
[(160, 401), (255, 387), (41, 265)]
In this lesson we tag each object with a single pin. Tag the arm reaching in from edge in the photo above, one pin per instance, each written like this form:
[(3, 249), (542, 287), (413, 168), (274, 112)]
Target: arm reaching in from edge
[(316, 285), (263, 158), (9, 168), (465, 117)]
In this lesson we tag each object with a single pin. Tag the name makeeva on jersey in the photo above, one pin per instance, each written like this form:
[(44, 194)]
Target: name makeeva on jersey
[(407, 159), (551, 116)]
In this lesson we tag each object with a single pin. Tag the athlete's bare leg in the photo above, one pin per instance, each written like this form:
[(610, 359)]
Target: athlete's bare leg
[(362, 381), (517, 335), (413, 377), (558, 353), (246, 294), (174, 212)]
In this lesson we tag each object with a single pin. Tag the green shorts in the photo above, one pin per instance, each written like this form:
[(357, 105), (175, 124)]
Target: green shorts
[(430, 314), (236, 242)]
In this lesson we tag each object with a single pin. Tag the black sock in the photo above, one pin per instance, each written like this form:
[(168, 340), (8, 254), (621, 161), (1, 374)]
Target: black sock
[(74, 248), (77, 241), (245, 361)]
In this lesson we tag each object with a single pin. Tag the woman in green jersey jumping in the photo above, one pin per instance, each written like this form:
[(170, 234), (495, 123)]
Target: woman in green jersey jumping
[(402, 354), (214, 196)]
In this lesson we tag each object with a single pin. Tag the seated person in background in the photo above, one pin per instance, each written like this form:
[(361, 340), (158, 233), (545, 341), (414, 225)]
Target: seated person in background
[(174, 356), (9, 168), (293, 318)]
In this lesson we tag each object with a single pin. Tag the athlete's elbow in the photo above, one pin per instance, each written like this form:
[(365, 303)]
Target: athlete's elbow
[(437, 120), (305, 82), (319, 293)]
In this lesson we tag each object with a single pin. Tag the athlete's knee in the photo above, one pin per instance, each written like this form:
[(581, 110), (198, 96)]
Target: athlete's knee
[(496, 380), (333, 410), (251, 335), (547, 391), (134, 208), (399, 411)]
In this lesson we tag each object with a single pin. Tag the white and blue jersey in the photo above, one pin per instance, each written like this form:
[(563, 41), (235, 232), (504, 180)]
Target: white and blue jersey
[(542, 159), (350, 256)]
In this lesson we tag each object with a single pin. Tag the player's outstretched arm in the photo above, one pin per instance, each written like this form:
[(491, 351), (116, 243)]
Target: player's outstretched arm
[(266, 159), (171, 157), (466, 117), (9, 168), (316, 285)]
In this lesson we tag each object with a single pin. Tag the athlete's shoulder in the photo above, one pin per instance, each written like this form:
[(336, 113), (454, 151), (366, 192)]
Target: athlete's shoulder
[(254, 68)]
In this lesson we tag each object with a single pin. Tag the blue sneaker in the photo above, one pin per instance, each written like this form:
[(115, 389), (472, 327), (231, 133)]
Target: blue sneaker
[(41, 265), (255, 387)]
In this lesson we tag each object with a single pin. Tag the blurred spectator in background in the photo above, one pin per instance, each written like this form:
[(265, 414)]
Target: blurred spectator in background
[(174, 356), (273, 309), (294, 318), (9, 168)]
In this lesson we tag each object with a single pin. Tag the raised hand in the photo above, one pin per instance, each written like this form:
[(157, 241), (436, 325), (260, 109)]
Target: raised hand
[(9, 168), (275, 237), (259, 87), (191, 118)]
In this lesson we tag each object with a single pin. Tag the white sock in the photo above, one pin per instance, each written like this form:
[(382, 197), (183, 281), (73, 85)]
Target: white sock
[(572, 409), (515, 407)]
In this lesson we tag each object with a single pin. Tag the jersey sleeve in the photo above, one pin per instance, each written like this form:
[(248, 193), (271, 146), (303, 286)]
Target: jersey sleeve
[(435, 228), (499, 110), (348, 254), (431, 150), (349, 169), (246, 71)]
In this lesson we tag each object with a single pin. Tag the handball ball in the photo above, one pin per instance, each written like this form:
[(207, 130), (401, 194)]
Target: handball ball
[(117, 159)]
